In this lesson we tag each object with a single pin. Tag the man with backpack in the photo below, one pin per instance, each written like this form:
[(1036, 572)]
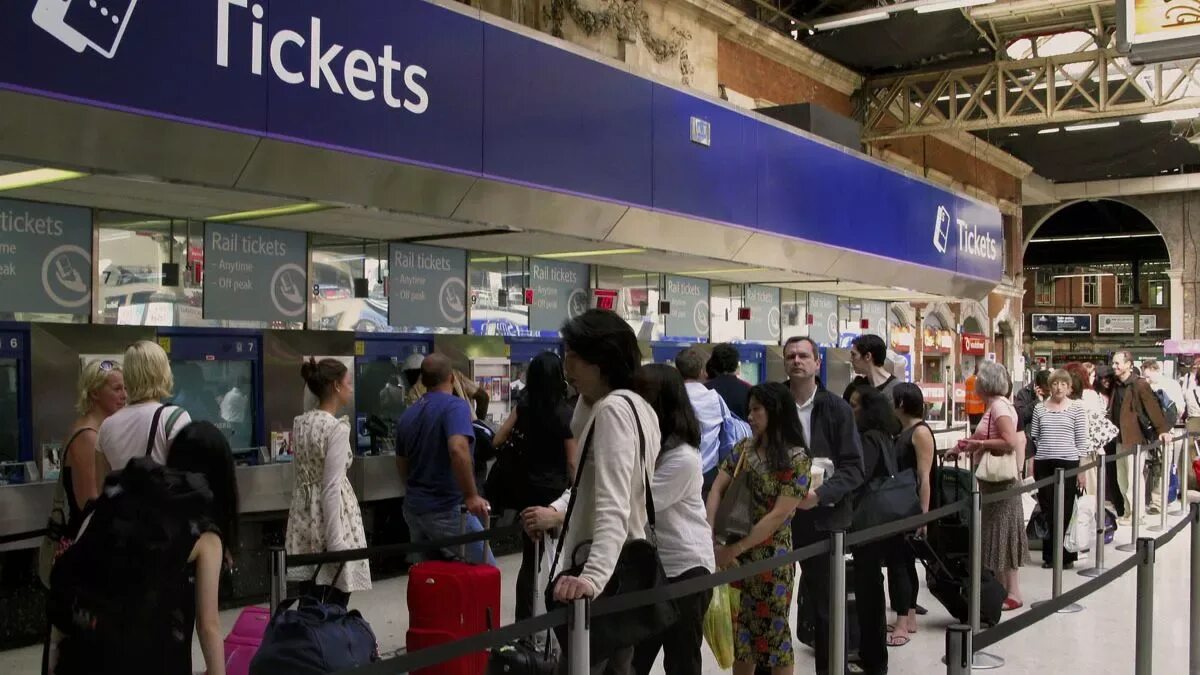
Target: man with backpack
[(1170, 397), (1138, 414)]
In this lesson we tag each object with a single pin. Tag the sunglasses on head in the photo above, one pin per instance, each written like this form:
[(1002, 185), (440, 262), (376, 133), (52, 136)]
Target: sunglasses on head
[(108, 364)]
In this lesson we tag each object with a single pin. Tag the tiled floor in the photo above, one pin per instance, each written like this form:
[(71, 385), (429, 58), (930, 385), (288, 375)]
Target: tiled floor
[(1097, 641)]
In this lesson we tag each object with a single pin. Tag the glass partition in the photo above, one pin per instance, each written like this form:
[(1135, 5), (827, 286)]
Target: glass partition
[(726, 300), (334, 264), (793, 314), (133, 253), (9, 392), (497, 295), (221, 392), (638, 295)]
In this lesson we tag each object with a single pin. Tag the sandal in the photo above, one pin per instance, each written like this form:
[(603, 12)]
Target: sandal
[(1010, 604), (898, 640)]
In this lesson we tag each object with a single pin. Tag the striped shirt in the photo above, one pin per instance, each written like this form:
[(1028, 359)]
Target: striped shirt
[(1060, 434)]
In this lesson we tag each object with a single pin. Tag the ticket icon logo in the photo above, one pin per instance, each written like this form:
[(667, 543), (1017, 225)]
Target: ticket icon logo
[(80, 24), (941, 230)]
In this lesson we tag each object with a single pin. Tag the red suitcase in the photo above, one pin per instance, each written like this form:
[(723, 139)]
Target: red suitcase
[(449, 601)]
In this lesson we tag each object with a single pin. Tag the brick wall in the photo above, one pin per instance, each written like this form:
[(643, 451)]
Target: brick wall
[(934, 154), (748, 72)]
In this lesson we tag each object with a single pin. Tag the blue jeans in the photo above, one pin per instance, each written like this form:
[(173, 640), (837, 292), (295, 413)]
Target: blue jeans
[(438, 525)]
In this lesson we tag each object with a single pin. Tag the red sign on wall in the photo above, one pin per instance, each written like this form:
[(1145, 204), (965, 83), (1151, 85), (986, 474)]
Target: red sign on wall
[(604, 299), (975, 345)]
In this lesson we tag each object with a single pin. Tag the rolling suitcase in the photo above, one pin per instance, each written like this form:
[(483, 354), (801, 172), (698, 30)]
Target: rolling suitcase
[(448, 601), (243, 641), (948, 580)]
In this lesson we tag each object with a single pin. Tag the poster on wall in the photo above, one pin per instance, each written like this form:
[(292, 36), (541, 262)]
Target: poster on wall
[(427, 287), (824, 311), (763, 325), (560, 293), (1116, 324), (689, 308), (45, 250), (254, 273)]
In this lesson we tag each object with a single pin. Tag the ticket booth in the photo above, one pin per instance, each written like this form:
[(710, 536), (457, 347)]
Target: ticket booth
[(16, 433)]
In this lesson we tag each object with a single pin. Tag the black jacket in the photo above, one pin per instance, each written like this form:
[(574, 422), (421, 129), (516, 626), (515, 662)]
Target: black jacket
[(734, 391), (833, 435), (1025, 402)]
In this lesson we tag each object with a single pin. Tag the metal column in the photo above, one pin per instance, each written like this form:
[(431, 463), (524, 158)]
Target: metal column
[(579, 656), (979, 660), (278, 577), (1144, 632), (1098, 547), (958, 650), (1164, 485), (1194, 586), (1058, 530)]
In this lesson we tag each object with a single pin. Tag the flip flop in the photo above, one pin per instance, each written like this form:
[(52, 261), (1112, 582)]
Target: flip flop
[(898, 640), (1010, 605)]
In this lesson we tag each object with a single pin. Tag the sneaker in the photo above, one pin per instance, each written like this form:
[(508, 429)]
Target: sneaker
[(1124, 521)]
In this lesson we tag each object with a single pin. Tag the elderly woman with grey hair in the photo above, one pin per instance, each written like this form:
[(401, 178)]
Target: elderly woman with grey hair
[(1004, 544)]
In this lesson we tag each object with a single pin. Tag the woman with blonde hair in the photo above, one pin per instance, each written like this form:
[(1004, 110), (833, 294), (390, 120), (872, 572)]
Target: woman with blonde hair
[(146, 426)]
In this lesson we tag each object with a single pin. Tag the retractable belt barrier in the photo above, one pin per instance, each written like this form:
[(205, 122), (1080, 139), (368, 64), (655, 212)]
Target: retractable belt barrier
[(21, 536), (301, 560)]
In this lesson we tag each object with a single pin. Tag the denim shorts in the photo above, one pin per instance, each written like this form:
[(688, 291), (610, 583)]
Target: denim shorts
[(443, 525)]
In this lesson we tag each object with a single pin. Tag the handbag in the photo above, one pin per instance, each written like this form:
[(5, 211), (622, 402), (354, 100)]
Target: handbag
[(315, 638), (638, 568), (734, 518), (886, 499), (507, 480), (996, 468)]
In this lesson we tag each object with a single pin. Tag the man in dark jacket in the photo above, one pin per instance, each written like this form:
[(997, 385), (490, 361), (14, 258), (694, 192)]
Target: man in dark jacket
[(831, 435), (724, 364), (1025, 402), (1138, 414)]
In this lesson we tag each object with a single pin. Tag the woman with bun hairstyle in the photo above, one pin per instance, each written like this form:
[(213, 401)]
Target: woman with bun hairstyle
[(324, 515)]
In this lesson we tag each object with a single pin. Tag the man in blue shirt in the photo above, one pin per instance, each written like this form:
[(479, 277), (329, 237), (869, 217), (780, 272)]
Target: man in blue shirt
[(434, 442)]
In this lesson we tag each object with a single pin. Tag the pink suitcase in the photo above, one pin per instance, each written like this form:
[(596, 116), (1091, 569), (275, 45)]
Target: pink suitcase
[(243, 641)]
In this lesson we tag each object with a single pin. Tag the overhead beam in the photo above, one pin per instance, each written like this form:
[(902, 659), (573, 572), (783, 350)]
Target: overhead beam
[(1070, 88)]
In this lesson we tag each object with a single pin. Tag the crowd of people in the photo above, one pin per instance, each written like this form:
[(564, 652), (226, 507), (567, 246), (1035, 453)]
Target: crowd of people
[(646, 452)]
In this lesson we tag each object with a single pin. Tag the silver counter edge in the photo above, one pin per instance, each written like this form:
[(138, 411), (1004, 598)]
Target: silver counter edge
[(261, 489)]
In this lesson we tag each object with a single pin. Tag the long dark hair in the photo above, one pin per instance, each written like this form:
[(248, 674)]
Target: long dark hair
[(1106, 380), (875, 412), (783, 430), (545, 386), (321, 376), (662, 387), (201, 448)]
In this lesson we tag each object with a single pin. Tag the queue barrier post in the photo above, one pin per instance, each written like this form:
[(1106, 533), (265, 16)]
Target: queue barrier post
[(1057, 537), (1165, 467), (1098, 547), (979, 660), (1136, 512), (837, 602), (278, 577), (958, 650), (1144, 631), (579, 657), (1182, 466), (1194, 586)]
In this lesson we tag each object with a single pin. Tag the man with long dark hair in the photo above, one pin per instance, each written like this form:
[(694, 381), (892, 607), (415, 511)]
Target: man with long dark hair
[(833, 441)]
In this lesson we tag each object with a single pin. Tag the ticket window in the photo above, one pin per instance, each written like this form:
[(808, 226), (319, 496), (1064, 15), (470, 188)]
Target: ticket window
[(10, 437), (221, 392)]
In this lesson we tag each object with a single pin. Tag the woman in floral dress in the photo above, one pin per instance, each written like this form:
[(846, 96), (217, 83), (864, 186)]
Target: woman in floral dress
[(779, 471), (324, 515)]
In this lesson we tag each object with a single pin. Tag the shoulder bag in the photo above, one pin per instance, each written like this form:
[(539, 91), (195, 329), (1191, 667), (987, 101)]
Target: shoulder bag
[(996, 468), (638, 568), (60, 531), (886, 499), (735, 514)]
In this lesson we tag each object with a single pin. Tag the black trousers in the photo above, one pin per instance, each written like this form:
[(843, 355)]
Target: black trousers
[(870, 604), (1043, 468), (903, 583), (681, 644)]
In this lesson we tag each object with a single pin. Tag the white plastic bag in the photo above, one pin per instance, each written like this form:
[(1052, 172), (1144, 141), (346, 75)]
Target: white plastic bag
[(1082, 532)]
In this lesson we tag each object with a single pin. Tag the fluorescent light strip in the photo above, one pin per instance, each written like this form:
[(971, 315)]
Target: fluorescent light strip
[(852, 19), (35, 177), (1095, 237), (943, 5), (1089, 127), (588, 254), (273, 212), (1077, 276), (1054, 130)]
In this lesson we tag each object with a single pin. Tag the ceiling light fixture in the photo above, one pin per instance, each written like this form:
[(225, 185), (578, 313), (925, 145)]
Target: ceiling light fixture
[(1171, 116), (35, 177), (273, 212), (588, 254), (1095, 237), (1053, 130), (943, 5), (729, 270), (852, 19), (1089, 127)]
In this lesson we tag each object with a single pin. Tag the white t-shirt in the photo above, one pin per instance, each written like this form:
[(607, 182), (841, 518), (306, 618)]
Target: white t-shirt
[(123, 436), (685, 541)]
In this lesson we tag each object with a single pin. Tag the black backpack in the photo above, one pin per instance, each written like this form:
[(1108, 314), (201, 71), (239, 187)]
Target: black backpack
[(114, 593)]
